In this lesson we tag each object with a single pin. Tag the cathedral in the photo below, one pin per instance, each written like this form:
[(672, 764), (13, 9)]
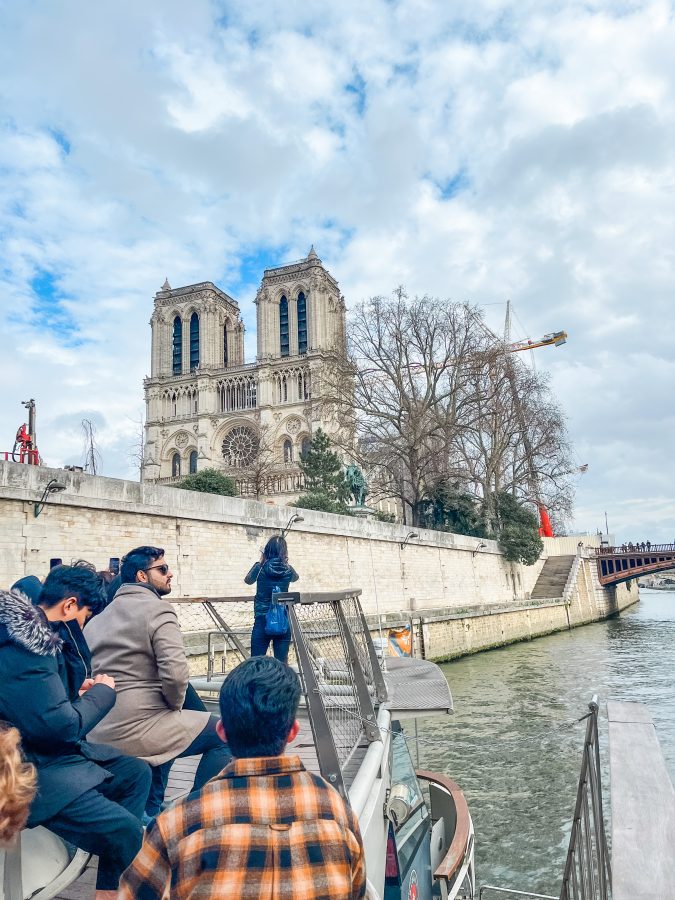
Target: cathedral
[(208, 408)]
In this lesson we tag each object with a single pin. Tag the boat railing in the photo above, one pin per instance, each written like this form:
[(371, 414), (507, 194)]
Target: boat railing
[(332, 650), (342, 680), (588, 872), (452, 836)]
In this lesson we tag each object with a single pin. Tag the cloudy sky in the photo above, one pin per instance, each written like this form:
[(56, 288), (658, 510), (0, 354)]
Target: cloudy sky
[(479, 150)]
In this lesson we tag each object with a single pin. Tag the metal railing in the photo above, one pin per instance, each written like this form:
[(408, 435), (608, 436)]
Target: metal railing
[(341, 676), (634, 549), (588, 873), (332, 649)]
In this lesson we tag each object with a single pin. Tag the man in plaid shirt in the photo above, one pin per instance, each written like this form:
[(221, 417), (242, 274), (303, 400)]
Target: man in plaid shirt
[(264, 827)]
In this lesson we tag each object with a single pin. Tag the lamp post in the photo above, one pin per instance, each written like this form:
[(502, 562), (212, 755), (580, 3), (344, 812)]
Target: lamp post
[(410, 536), (294, 518), (53, 487), (480, 546)]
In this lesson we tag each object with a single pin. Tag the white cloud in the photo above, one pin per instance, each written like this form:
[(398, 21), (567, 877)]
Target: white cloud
[(479, 150)]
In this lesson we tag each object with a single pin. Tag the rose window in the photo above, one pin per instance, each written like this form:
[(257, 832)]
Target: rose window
[(240, 447)]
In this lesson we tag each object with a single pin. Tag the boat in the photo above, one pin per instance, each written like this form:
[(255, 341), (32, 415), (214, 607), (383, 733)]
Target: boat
[(357, 703)]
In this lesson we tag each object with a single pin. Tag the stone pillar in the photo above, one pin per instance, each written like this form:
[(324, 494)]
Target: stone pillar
[(156, 331)]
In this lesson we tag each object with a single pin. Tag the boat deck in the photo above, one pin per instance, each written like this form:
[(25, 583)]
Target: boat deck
[(180, 783)]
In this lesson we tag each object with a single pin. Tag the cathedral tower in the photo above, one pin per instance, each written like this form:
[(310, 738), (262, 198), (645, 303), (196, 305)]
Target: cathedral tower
[(205, 407)]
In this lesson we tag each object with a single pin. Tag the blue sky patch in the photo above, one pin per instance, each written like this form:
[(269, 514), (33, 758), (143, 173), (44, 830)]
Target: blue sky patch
[(49, 311), (61, 140), (357, 88), (452, 186)]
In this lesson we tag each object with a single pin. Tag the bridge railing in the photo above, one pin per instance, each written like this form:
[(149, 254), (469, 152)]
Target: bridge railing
[(588, 872), (626, 549)]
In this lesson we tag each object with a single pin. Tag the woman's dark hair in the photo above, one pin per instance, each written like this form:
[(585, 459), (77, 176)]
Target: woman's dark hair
[(138, 560), (258, 705), (80, 581), (276, 548)]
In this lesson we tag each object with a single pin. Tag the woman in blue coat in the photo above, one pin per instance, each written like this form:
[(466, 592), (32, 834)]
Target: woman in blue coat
[(271, 571)]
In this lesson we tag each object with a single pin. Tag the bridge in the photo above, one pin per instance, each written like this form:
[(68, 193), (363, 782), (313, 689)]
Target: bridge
[(618, 564)]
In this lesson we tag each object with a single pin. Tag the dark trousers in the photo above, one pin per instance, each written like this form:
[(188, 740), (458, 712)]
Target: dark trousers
[(106, 820), (261, 641), (215, 756)]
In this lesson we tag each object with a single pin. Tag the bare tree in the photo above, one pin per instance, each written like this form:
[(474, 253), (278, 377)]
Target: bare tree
[(136, 451), (426, 396), (263, 466), (400, 396), (517, 442), (92, 455)]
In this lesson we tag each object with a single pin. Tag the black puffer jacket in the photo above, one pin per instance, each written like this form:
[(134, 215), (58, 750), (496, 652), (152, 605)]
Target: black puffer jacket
[(35, 696), (268, 575)]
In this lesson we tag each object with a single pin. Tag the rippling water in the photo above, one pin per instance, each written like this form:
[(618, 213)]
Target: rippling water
[(512, 744)]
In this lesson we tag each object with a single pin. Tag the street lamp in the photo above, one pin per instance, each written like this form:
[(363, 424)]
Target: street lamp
[(410, 536), (53, 487), (294, 518), (480, 546)]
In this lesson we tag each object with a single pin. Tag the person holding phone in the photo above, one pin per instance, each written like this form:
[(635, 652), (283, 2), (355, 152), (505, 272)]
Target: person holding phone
[(272, 571)]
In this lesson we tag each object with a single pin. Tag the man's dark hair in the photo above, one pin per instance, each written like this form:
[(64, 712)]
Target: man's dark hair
[(258, 704), (138, 560), (79, 581)]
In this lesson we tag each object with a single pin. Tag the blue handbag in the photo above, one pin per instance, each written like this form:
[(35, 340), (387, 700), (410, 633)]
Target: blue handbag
[(276, 617)]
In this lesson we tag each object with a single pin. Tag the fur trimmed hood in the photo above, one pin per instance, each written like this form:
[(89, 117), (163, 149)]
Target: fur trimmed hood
[(26, 625)]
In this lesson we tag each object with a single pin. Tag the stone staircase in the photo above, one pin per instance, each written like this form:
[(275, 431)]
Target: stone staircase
[(552, 578)]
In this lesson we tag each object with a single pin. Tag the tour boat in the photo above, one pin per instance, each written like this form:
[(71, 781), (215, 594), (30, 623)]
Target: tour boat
[(415, 824)]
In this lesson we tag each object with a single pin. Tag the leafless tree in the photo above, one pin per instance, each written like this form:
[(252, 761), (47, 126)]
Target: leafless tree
[(427, 396), (136, 451), (400, 394), (263, 466), (517, 441)]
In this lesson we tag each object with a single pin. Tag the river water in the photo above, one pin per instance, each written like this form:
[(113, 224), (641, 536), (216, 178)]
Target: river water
[(513, 745)]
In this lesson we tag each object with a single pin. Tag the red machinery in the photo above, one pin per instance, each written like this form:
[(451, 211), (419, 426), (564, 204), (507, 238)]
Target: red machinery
[(25, 447)]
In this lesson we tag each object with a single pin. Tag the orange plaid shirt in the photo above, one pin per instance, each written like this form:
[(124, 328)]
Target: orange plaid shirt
[(263, 828)]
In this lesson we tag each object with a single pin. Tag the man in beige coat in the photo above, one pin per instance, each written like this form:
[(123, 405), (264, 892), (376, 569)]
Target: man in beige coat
[(137, 640)]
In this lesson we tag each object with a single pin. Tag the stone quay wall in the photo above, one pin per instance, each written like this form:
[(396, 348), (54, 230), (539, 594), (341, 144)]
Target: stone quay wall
[(460, 592)]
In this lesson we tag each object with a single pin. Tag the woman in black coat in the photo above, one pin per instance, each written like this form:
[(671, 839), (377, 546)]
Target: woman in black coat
[(270, 572)]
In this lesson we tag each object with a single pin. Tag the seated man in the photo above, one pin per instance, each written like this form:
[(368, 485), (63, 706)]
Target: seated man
[(265, 827), (137, 639), (90, 795)]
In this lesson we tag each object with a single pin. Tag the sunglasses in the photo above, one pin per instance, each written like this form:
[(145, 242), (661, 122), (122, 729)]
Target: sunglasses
[(163, 569)]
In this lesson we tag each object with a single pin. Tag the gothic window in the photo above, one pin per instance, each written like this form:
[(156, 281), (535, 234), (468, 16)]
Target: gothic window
[(175, 465), (283, 326), (288, 451), (193, 462), (194, 341), (240, 447), (304, 447), (177, 346), (302, 323), (174, 405), (225, 346)]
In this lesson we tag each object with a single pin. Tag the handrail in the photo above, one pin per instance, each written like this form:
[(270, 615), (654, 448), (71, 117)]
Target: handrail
[(456, 853), (623, 550), (588, 873), (572, 577)]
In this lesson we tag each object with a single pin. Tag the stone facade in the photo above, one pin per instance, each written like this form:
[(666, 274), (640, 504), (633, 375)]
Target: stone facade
[(207, 408), (460, 592)]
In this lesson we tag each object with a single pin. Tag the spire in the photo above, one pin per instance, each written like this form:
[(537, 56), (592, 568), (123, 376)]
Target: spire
[(312, 253), (166, 286)]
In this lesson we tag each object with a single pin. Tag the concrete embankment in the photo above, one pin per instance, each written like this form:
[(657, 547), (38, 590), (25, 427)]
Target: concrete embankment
[(460, 592)]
